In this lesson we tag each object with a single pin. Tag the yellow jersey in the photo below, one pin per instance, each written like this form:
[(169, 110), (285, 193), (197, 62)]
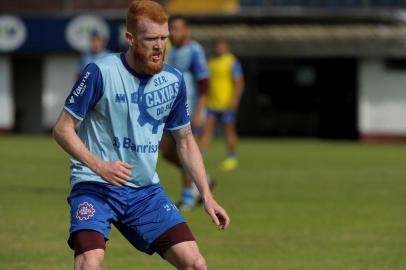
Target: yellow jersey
[(223, 70)]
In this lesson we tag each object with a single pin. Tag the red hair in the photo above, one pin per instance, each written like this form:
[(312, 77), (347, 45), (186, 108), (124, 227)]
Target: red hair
[(144, 9)]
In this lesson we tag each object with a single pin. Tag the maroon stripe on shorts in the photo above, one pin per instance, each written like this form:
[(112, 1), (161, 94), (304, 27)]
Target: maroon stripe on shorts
[(85, 240), (175, 235)]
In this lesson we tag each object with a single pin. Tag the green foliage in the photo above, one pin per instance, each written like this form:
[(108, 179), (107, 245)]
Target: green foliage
[(294, 204)]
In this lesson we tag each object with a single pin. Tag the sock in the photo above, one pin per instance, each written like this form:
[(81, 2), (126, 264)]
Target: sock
[(209, 179), (195, 191), (232, 155), (187, 196)]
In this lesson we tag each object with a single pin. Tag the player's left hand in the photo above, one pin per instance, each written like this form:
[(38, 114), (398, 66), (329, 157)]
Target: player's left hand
[(218, 215)]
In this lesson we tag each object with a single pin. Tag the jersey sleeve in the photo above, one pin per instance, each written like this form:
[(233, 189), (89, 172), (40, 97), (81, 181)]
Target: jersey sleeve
[(86, 92), (236, 70), (84, 60), (199, 64), (179, 116)]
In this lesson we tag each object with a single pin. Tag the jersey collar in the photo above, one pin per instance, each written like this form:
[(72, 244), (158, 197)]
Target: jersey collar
[(131, 70)]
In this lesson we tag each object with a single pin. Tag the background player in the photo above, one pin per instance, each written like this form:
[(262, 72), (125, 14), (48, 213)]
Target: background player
[(225, 91), (96, 50), (189, 57), (123, 102)]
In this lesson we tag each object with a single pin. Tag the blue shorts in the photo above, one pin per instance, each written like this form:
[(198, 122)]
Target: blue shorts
[(226, 117), (140, 214)]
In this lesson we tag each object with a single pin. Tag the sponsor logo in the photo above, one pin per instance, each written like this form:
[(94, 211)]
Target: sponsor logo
[(72, 100), (169, 207), (80, 29), (82, 86), (128, 144), (13, 33), (121, 98), (85, 211)]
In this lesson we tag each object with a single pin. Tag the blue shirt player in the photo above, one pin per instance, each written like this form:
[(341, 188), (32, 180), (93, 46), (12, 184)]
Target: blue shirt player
[(190, 59), (122, 103), (188, 56), (97, 50)]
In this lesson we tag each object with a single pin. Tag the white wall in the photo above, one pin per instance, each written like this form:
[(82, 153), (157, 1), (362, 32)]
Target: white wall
[(6, 95), (60, 73), (382, 99)]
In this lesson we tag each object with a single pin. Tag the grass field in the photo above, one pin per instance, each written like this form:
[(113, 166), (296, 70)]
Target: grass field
[(294, 204)]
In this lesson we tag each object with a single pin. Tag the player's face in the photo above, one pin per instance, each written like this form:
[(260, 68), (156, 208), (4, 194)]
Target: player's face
[(96, 44), (149, 46), (221, 47), (179, 32)]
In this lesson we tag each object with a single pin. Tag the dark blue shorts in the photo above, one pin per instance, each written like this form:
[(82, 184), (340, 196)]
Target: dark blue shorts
[(140, 214), (226, 117)]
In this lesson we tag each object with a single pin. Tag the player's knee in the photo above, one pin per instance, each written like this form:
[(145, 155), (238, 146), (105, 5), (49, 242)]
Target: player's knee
[(196, 263), (90, 260)]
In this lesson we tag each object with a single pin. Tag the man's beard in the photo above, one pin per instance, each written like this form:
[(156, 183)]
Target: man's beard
[(145, 66)]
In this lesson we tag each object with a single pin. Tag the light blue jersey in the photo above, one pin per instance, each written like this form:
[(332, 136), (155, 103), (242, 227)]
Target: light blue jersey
[(191, 60), (89, 57), (123, 115)]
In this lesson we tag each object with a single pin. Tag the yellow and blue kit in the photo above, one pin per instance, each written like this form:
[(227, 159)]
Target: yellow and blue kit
[(223, 71)]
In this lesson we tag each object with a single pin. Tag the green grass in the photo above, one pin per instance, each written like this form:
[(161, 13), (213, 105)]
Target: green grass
[(294, 204)]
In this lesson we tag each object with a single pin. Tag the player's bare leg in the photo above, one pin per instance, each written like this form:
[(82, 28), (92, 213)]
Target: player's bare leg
[(189, 193), (230, 134), (89, 260), (208, 130), (231, 137), (186, 256), (168, 150)]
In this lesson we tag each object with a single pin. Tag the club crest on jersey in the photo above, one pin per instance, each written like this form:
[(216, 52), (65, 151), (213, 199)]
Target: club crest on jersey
[(155, 102), (85, 211)]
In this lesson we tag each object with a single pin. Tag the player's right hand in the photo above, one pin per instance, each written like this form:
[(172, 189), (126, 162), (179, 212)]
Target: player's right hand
[(115, 172)]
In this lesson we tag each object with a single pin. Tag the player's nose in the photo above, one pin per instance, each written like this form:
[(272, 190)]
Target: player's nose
[(159, 44)]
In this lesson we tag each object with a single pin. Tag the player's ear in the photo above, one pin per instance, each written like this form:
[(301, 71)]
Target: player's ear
[(130, 38)]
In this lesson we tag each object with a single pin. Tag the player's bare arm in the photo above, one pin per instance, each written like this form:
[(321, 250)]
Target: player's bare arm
[(239, 89), (192, 161), (115, 172), (197, 120)]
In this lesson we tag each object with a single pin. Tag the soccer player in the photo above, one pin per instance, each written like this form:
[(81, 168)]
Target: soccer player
[(123, 102), (188, 56), (225, 90), (96, 51)]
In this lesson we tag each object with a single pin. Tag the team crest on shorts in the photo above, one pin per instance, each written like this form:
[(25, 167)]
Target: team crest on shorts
[(85, 211)]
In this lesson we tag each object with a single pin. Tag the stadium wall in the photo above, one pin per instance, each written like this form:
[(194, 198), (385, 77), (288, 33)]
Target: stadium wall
[(382, 101), (6, 94), (59, 74), (29, 104)]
